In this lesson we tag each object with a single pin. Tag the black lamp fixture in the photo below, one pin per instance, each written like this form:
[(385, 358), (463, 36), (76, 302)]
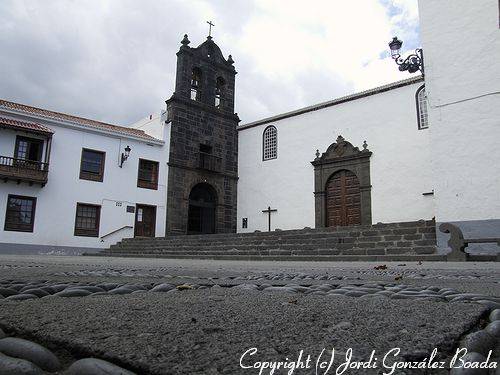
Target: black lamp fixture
[(412, 63), (125, 155)]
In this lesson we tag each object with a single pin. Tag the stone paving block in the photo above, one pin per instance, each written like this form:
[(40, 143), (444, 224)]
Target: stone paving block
[(191, 331)]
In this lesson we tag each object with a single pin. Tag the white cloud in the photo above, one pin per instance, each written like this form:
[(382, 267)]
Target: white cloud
[(115, 60)]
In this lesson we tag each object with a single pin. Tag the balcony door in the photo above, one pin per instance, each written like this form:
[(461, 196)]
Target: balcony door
[(145, 221), (28, 149)]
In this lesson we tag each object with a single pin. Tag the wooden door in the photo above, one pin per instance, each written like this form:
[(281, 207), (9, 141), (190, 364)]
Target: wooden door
[(202, 208), (343, 200), (145, 221), (201, 218)]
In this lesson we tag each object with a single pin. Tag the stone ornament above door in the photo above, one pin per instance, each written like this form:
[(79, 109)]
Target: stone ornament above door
[(340, 148), (342, 155)]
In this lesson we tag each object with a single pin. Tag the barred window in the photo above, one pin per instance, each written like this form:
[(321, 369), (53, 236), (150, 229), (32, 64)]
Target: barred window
[(87, 220), (20, 215), (270, 143), (422, 113)]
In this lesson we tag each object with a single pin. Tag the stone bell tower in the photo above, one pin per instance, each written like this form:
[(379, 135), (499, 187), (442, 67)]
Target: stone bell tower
[(203, 160)]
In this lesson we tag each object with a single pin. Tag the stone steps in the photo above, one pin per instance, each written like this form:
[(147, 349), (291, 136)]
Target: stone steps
[(340, 248), (281, 252), (303, 234), (298, 258), (348, 242), (396, 241)]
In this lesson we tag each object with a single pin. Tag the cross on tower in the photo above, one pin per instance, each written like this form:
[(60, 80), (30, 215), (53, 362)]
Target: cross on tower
[(210, 27)]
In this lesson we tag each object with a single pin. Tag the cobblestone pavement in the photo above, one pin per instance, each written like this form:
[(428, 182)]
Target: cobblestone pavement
[(93, 315)]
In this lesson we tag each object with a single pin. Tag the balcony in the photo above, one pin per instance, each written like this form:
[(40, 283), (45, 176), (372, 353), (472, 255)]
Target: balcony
[(210, 162), (23, 170)]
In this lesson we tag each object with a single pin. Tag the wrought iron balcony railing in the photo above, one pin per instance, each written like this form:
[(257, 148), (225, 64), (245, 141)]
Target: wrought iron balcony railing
[(23, 170), (210, 162)]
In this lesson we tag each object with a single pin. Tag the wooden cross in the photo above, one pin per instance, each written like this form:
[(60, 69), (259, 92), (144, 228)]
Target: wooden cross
[(269, 211), (210, 27)]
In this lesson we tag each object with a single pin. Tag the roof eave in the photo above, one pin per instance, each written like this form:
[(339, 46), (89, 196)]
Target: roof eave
[(70, 124), (330, 103), (27, 130)]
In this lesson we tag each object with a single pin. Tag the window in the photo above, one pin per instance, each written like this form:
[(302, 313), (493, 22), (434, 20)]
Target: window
[(219, 88), (20, 215), (196, 84), (206, 149), (148, 174), (270, 143), (87, 220), (92, 165), (422, 114), (28, 149)]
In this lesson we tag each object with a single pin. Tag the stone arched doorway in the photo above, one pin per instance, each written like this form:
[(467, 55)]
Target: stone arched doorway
[(202, 209), (343, 199), (342, 188)]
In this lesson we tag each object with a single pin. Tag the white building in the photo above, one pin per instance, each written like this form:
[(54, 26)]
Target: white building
[(434, 150), (420, 148), (399, 167), (461, 41), (65, 187)]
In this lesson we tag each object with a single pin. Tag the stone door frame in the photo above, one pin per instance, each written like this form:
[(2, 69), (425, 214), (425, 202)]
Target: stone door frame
[(342, 155)]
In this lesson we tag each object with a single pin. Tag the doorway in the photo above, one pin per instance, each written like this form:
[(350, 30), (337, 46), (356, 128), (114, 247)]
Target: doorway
[(202, 208), (145, 221), (343, 200)]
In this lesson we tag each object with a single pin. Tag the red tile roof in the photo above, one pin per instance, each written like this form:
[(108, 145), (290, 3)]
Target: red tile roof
[(31, 126), (75, 119)]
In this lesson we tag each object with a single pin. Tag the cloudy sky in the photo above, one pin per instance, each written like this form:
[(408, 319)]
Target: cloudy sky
[(114, 60)]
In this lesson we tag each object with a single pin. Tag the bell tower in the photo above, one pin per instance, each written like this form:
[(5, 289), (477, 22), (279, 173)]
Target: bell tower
[(203, 158)]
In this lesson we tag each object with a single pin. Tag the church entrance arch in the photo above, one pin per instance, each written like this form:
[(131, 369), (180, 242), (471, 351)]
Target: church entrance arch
[(202, 209), (342, 188), (343, 199)]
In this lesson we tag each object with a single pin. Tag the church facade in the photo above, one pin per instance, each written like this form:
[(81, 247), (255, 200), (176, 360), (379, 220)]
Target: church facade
[(415, 149), (360, 159), (425, 147)]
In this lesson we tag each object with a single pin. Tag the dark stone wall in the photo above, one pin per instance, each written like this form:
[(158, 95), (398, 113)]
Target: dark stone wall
[(200, 122)]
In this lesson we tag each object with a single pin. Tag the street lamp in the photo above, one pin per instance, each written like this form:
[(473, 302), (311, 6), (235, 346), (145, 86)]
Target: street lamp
[(125, 155), (413, 63)]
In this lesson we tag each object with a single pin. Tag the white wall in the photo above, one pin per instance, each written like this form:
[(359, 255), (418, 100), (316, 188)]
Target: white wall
[(461, 42), (8, 142), (400, 164), (56, 202), (154, 124)]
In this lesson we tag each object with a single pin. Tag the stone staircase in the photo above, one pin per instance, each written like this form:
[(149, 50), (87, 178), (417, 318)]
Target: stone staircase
[(396, 241)]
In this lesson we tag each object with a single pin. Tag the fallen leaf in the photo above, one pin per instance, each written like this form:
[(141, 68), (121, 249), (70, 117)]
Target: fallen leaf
[(184, 287)]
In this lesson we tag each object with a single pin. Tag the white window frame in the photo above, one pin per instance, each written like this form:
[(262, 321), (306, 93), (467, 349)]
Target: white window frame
[(270, 143), (422, 108)]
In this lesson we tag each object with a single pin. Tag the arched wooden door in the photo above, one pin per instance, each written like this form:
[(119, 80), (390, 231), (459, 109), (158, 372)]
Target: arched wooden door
[(343, 200)]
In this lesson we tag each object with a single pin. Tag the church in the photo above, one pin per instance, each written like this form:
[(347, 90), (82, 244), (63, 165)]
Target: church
[(422, 148)]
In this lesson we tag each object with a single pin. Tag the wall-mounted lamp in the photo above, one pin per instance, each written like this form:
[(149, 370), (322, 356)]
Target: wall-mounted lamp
[(125, 155), (413, 63)]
